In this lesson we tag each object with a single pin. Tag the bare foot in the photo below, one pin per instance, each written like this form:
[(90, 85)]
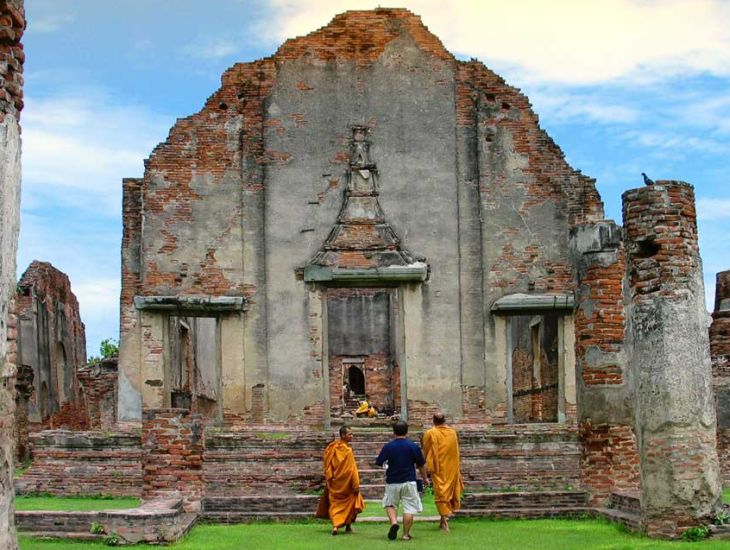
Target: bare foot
[(348, 529), (444, 525)]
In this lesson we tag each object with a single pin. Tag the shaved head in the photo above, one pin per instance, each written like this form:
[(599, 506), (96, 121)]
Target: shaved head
[(439, 418)]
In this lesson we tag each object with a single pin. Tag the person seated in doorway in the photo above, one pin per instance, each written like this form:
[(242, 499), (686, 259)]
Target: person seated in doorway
[(372, 411), (363, 409)]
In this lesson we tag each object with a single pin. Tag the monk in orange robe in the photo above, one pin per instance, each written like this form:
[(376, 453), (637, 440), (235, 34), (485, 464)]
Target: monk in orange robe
[(343, 483), (441, 449)]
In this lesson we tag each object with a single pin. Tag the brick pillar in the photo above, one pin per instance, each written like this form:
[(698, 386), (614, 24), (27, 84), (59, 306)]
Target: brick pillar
[(23, 393), (720, 353), (172, 443), (99, 382), (609, 458), (669, 351)]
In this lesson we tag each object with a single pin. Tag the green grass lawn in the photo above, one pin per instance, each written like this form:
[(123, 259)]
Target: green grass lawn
[(74, 504), (465, 533), (726, 495)]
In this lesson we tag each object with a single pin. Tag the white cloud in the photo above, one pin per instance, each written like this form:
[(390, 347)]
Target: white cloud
[(562, 105), (713, 209), (50, 23), (215, 48), (79, 147), (569, 41)]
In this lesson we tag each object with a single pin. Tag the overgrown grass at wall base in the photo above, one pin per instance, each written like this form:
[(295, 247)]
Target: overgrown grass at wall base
[(465, 533)]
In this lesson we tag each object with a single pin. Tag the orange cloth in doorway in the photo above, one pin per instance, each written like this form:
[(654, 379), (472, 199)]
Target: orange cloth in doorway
[(363, 408), (343, 484), (441, 449)]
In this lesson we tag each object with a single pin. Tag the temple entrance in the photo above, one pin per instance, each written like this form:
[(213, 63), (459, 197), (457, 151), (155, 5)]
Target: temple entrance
[(535, 362), (360, 350), (356, 379), (194, 364)]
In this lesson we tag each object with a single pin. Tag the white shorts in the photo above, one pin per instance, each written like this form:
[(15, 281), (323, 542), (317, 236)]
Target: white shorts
[(407, 493)]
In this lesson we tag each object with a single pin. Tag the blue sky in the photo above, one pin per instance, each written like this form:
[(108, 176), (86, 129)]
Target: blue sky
[(622, 86)]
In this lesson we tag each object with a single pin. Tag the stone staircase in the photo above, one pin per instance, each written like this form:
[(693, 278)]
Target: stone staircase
[(509, 471), (525, 505)]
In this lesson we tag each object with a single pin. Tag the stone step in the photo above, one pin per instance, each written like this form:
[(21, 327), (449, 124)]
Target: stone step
[(525, 513), (256, 503), (55, 521), (720, 532), (626, 501), (246, 517), (525, 499), (631, 521), (74, 535)]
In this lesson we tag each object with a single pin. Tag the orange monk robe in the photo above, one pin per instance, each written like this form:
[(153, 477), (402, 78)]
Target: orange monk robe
[(363, 408), (343, 483), (441, 449)]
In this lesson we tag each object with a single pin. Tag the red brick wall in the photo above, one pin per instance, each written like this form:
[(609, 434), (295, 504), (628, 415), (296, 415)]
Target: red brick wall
[(83, 463), (609, 460), (173, 444), (99, 383), (603, 324)]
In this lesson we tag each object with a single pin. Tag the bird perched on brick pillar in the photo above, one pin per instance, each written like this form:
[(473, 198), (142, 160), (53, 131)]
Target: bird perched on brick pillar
[(647, 180)]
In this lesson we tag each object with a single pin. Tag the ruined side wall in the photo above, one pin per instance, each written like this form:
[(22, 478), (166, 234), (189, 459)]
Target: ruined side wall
[(129, 398), (669, 350), (51, 339), (720, 353), (609, 458), (528, 198), (12, 25)]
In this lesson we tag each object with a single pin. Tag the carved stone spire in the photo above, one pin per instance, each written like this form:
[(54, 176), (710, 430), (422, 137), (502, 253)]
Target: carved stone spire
[(361, 238)]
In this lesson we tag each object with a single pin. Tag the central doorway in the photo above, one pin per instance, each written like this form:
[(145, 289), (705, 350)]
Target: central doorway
[(360, 324)]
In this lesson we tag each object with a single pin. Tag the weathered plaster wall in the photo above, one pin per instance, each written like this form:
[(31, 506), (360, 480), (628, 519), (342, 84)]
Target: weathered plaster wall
[(415, 158), (528, 198), (12, 25), (669, 350)]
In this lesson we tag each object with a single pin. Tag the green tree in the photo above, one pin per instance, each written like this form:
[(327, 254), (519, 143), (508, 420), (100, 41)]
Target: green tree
[(109, 347)]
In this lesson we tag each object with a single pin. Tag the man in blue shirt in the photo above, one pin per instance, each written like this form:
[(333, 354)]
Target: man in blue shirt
[(401, 457)]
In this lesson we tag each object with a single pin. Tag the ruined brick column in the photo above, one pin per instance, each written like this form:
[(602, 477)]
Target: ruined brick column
[(609, 458), (99, 382), (720, 353), (23, 394), (172, 442), (669, 353), (12, 25)]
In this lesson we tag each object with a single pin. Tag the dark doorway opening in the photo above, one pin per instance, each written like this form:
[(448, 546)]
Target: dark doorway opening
[(356, 380)]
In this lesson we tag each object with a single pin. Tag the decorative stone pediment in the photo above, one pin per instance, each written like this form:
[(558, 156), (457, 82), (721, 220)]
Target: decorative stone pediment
[(362, 246)]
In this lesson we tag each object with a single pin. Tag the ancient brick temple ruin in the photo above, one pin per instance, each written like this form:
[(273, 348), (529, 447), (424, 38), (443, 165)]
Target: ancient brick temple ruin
[(361, 214), (50, 345)]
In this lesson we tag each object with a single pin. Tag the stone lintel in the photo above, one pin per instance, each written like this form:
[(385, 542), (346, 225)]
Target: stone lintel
[(517, 303), (192, 305), (407, 273)]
